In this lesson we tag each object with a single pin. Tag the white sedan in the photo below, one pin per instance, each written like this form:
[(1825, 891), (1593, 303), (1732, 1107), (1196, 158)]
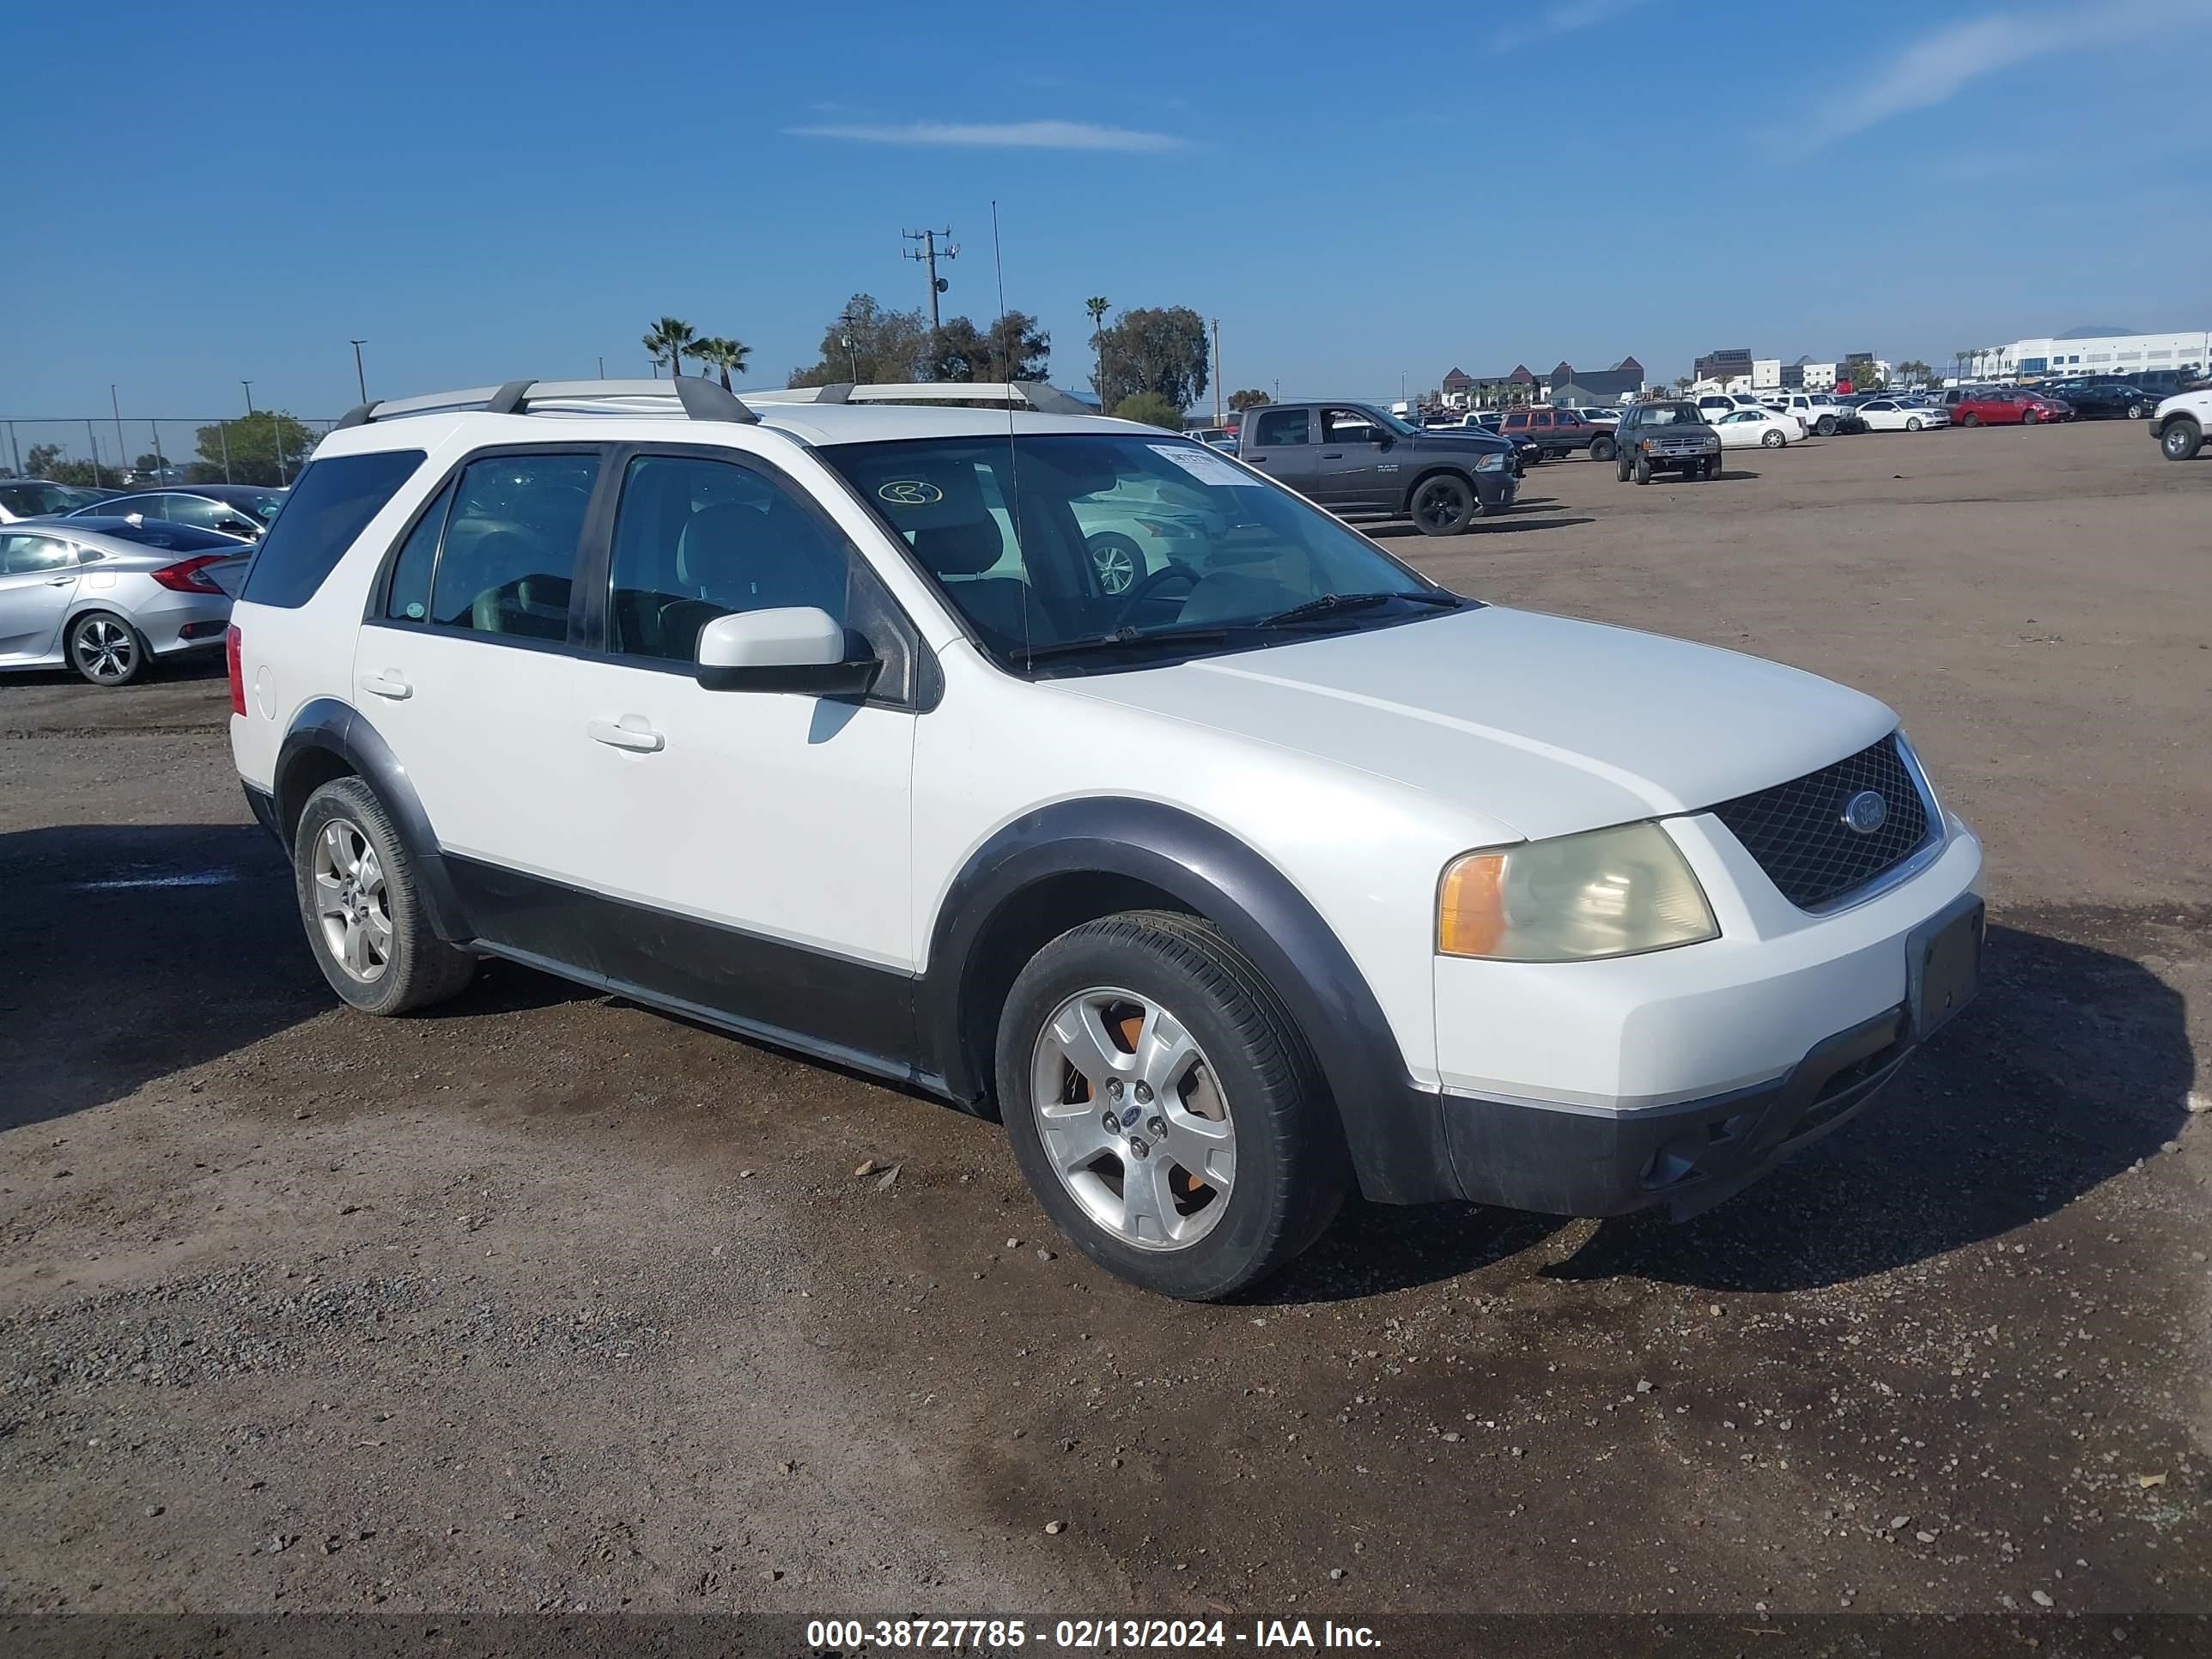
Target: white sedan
[(1901, 415), (1750, 429)]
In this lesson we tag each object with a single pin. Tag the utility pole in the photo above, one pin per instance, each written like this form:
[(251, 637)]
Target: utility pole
[(93, 438), (1096, 304), (848, 323), (360, 378), (15, 454), (602, 367), (928, 254), (116, 404), (1216, 372)]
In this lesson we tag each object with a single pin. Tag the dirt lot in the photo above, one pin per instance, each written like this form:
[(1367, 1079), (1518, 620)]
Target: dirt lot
[(546, 1301)]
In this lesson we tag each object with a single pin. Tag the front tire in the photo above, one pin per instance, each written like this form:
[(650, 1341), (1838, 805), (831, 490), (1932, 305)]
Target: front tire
[(361, 901), (1643, 469), (2181, 440), (2029, 417), (1969, 419), (2134, 411), (1445, 505), (105, 649), (1224, 1161), (1826, 426), (1912, 424)]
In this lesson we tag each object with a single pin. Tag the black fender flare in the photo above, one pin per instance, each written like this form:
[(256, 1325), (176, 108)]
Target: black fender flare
[(1393, 1130), (329, 726)]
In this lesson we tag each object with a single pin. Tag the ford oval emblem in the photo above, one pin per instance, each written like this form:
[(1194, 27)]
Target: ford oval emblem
[(1866, 811), (909, 492)]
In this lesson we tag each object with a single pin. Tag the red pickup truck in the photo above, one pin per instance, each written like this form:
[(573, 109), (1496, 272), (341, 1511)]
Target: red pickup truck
[(1558, 432)]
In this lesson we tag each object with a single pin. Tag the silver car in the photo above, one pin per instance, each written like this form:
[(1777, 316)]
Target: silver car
[(106, 596)]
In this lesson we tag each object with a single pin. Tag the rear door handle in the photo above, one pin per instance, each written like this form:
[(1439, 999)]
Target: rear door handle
[(630, 731), (389, 684)]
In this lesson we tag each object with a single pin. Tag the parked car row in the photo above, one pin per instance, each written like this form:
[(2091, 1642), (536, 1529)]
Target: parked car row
[(106, 595)]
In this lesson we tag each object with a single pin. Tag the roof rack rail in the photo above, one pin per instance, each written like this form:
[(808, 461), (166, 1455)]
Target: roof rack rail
[(1031, 394), (699, 399)]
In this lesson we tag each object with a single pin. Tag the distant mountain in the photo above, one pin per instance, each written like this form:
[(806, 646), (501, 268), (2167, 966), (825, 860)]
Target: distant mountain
[(2094, 332)]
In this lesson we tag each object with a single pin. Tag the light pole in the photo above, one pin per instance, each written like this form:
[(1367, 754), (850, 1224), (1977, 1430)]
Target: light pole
[(361, 379), (602, 367), (116, 404)]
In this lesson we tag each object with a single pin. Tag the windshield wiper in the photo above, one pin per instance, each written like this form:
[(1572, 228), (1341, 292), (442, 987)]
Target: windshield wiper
[(1124, 639), (1330, 604)]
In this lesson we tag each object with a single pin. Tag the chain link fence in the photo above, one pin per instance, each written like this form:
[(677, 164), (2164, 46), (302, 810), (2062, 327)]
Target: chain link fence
[(268, 446)]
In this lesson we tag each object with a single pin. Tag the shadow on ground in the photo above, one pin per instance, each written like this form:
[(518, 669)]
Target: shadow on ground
[(131, 953), (2074, 1063)]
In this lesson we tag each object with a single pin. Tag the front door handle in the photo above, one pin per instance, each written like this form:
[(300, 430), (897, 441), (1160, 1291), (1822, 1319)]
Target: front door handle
[(390, 684), (59, 582), (1331, 454), (630, 731)]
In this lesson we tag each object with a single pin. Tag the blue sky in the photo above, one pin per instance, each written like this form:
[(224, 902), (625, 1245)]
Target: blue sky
[(486, 191)]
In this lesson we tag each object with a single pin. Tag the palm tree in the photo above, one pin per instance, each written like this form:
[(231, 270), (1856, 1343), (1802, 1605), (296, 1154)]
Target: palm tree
[(1096, 304), (667, 340), (727, 355)]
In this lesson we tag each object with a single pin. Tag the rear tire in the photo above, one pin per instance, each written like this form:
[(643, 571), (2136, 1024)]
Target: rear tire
[(1969, 419), (2181, 440), (1602, 449), (1106, 997), (105, 649), (1771, 441), (361, 901), (1117, 560)]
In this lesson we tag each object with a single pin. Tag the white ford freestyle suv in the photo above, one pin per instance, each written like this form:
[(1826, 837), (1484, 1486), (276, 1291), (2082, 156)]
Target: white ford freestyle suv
[(1276, 871)]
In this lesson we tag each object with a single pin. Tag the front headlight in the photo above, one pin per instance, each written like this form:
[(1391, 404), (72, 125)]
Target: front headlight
[(1494, 462), (1606, 893)]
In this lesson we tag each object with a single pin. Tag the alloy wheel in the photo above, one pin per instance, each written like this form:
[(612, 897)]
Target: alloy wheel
[(105, 650), (1116, 569), (1133, 1118), (353, 906)]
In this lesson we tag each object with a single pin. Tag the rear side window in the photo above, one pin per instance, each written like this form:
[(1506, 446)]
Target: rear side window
[(327, 509), (409, 598), (509, 554)]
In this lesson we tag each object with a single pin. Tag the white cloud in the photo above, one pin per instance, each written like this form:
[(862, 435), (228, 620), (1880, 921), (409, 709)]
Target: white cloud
[(1560, 18), (1933, 69), (1005, 135)]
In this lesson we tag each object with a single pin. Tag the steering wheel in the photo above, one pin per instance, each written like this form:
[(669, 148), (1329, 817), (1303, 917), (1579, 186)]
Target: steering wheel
[(1142, 590)]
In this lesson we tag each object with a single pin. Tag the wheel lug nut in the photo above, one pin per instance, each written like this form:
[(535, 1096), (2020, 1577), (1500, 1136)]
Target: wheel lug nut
[(1143, 1092), (1156, 1127), (1113, 1088), (1113, 1123), (1137, 1146)]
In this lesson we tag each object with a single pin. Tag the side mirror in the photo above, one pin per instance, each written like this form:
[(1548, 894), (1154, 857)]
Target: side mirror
[(798, 649), (1379, 436)]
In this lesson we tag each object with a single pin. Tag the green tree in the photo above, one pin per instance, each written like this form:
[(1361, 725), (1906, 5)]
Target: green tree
[(1250, 398), (1015, 349), (667, 341), (871, 345), (45, 461), (265, 447), (1096, 305), (1151, 408), (1160, 349), (721, 352)]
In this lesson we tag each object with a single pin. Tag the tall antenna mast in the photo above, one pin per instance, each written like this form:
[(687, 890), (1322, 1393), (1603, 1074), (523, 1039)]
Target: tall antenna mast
[(931, 251)]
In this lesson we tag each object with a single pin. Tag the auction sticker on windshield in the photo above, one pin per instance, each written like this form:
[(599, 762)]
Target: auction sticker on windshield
[(1206, 466)]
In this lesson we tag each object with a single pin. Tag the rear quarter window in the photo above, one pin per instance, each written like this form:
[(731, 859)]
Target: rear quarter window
[(325, 513)]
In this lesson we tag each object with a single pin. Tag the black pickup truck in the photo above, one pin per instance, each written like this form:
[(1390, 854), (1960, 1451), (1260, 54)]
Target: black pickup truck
[(1361, 463)]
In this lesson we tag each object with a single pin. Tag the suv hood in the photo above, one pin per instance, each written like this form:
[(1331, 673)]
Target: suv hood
[(1540, 724)]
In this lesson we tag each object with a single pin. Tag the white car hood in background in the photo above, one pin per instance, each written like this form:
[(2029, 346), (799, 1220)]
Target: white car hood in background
[(1545, 723)]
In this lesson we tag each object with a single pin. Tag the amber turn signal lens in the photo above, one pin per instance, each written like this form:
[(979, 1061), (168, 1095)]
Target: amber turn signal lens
[(1471, 909)]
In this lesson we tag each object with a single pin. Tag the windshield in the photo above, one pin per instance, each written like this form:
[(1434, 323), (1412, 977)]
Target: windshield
[(1672, 415), (1078, 553), (31, 500)]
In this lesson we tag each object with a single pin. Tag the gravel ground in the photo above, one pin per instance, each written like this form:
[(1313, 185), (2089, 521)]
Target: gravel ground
[(543, 1301)]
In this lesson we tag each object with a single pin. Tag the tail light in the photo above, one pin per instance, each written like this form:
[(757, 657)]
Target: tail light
[(233, 642), (190, 576)]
